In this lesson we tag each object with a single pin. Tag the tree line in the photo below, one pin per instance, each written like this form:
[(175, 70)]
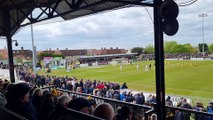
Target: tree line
[(174, 47)]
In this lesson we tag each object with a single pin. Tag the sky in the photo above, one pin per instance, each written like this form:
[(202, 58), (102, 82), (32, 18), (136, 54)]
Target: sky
[(124, 28)]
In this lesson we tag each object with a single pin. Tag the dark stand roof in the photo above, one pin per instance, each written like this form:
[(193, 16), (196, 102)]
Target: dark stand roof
[(21, 10)]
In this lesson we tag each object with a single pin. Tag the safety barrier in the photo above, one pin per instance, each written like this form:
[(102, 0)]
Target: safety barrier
[(145, 111)]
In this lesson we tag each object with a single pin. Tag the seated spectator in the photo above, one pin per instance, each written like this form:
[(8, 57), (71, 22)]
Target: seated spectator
[(80, 104), (19, 102), (47, 106), (4, 88), (37, 98), (105, 111), (124, 114), (8, 94), (61, 106), (3, 100)]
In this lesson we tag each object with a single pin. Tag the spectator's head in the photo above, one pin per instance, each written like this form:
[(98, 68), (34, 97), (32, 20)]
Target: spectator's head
[(54, 92), (168, 98), (63, 100), (20, 92), (80, 104), (49, 97), (38, 92), (3, 100), (105, 111), (153, 117), (211, 103), (125, 113)]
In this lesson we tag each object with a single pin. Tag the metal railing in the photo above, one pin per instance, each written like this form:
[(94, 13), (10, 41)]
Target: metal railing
[(143, 110)]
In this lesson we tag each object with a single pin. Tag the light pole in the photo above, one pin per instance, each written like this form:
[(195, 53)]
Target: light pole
[(203, 36), (34, 52)]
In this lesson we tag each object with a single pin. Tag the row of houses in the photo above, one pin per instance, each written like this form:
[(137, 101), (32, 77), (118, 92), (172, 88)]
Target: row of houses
[(27, 54)]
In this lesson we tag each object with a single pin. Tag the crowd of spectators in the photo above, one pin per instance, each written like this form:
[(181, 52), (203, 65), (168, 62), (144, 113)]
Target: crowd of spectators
[(34, 103), (185, 56)]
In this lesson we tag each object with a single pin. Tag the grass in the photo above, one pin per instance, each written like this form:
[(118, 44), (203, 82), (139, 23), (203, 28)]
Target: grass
[(182, 78)]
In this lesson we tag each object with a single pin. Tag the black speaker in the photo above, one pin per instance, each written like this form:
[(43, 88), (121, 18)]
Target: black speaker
[(169, 11), (170, 27)]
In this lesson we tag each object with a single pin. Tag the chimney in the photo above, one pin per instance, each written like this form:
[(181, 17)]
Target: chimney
[(22, 48)]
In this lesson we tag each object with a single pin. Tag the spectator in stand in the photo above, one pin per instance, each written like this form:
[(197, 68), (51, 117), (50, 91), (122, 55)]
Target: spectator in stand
[(4, 88), (169, 111), (105, 111), (124, 114), (199, 107), (19, 102), (3, 100), (209, 109), (37, 99), (123, 96), (61, 106), (140, 98), (47, 106), (80, 104), (129, 97), (168, 101), (124, 86)]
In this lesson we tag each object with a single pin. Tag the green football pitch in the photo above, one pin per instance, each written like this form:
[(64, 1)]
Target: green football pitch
[(193, 79)]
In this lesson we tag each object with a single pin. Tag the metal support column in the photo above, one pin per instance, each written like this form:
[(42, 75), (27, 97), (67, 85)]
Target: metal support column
[(9, 45), (159, 62)]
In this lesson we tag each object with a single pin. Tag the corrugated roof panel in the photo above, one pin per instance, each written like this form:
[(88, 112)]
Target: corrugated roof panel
[(93, 9)]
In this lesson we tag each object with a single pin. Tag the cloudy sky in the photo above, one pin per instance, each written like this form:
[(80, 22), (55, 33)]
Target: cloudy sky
[(124, 28)]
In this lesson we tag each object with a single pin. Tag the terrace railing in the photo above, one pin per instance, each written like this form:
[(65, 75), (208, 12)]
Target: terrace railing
[(143, 110)]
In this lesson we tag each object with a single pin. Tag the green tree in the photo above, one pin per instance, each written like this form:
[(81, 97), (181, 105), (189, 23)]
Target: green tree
[(170, 47), (58, 55), (149, 49), (138, 50), (211, 48), (201, 45)]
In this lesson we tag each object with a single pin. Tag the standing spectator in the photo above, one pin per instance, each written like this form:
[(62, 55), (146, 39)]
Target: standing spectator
[(199, 107), (124, 86), (209, 109), (140, 99)]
